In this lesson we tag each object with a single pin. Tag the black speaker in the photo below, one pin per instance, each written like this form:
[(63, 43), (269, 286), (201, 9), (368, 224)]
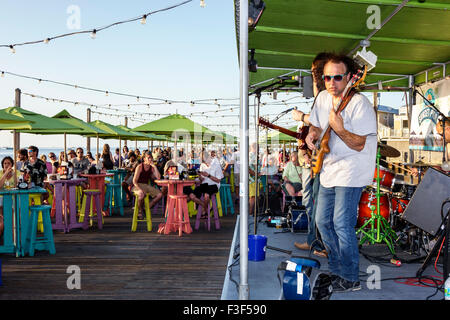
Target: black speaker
[(307, 84), (424, 208)]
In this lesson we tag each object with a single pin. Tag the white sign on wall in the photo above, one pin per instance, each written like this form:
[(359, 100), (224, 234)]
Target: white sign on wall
[(423, 135)]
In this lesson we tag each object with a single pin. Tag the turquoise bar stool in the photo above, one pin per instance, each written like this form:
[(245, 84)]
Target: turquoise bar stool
[(40, 243), (113, 198), (226, 199)]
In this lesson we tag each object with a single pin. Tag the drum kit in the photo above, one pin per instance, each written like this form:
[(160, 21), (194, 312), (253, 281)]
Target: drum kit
[(382, 204)]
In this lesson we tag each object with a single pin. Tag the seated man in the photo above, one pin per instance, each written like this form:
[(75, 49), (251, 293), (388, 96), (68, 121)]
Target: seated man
[(210, 176), (292, 176), (35, 171), (271, 171), (146, 173)]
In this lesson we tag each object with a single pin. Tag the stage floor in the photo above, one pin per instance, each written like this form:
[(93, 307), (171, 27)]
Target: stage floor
[(264, 283)]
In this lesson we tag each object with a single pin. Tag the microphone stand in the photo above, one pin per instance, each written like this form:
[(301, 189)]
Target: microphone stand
[(444, 119), (257, 92)]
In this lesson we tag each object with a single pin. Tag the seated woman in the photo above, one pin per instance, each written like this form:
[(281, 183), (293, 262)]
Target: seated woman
[(6, 182), (292, 176), (146, 173)]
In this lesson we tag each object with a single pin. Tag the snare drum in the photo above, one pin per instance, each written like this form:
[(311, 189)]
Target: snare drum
[(386, 177), (403, 190), (368, 199)]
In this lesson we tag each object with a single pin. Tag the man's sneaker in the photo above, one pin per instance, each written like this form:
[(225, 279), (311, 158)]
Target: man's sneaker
[(343, 285), (335, 279)]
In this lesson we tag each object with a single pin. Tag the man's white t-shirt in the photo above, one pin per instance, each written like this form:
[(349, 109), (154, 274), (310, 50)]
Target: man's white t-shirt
[(344, 166), (214, 170), (235, 159)]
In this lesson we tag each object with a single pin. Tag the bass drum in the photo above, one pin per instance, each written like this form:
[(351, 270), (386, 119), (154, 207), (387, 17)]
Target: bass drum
[(369, 199)]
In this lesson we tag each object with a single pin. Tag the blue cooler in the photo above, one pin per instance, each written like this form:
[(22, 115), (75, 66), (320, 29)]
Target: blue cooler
[(257, 247)]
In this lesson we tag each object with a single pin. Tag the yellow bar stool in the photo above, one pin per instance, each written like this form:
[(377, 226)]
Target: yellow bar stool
[(35, 199), (148, 213)]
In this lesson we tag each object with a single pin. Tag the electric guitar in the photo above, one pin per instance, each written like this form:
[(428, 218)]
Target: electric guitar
[(322, 147), (300, 136)]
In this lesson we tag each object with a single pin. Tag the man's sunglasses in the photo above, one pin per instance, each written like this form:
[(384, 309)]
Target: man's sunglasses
[(337, 77), (29, 151)]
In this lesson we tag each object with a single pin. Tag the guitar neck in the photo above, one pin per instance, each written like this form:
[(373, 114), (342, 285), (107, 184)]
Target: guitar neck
[(281, 129)]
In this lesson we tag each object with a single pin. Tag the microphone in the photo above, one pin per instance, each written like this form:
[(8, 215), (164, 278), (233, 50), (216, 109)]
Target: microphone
[(294, 78)]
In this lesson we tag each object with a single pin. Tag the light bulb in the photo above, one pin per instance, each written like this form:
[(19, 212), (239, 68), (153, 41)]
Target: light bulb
[(3, 74), (94, 34), (12, 49), (144, 19), (202, 3), (47, 40), (106, 92)]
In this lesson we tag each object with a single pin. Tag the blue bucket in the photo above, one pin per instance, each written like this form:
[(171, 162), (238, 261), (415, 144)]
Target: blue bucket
[(257, 247)]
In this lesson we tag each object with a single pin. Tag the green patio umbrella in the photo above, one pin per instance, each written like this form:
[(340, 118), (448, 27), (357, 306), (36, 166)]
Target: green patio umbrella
[(37, 123), (114, 132), (83, 127), (32, 122), (145, 136), (177, 126), (10, 121)]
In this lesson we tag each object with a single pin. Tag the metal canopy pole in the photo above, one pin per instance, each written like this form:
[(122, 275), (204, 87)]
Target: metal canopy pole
[(244, 149)]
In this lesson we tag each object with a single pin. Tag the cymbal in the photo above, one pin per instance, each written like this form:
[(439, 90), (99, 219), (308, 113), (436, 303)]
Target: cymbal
[(388, 151)]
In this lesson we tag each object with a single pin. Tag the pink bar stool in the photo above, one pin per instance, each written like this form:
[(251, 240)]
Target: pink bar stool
[(177, 215), (208, 219)]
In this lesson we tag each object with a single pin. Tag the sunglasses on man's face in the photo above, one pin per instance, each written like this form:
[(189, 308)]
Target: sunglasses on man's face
[(337, 77), (30, 151)]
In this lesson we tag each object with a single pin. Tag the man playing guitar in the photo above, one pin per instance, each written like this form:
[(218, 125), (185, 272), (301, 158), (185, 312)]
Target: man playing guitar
[(346, 169)]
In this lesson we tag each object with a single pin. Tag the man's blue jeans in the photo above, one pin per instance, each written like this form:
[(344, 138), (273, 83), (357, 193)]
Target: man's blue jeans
[(337, 210), (309, 195)]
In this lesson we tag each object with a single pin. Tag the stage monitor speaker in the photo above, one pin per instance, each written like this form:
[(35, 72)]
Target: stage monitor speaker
[(424, 208), (308, 87)]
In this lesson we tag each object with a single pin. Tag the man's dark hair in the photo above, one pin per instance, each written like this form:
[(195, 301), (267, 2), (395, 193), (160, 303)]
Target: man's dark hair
[(317, 68), (35, 149), (23, 152), (349, 63)]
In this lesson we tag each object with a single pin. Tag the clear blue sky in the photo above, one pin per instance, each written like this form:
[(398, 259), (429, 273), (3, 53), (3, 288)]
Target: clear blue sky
[(183, 54)]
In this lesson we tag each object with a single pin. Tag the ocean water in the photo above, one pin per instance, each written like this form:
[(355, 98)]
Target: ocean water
[(4, 152), (9, 152)]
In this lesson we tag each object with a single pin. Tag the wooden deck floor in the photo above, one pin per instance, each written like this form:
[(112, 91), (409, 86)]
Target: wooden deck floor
[(116, 263)]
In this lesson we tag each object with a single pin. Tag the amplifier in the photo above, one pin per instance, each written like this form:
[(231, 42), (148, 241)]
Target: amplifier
[(424, 208)]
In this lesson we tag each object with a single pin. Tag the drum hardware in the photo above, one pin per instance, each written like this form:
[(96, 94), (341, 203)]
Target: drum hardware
[(377, 229)]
